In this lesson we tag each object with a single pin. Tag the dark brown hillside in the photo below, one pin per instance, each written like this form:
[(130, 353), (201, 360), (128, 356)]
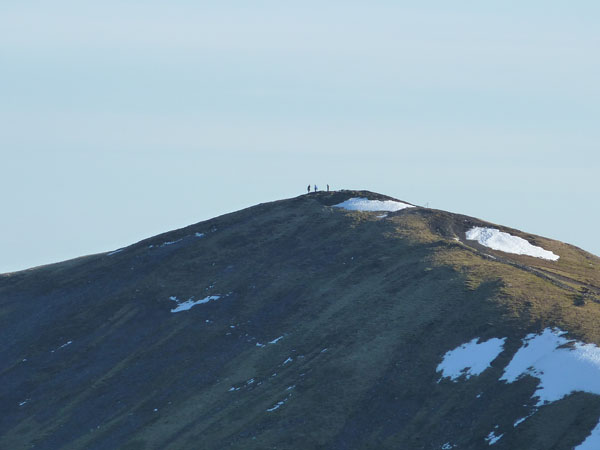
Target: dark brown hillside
[(327, 333)]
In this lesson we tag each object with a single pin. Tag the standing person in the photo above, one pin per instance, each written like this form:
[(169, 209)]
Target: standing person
[(327, 188), (308, 188), (316, 188)]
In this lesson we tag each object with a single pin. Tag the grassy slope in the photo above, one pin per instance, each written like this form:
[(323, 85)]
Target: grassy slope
[(386, 298)]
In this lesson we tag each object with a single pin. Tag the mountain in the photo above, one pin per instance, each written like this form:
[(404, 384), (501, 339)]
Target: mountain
[(342, 320)]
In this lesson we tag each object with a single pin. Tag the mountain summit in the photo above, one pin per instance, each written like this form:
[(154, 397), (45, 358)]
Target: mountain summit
[(333, 320)]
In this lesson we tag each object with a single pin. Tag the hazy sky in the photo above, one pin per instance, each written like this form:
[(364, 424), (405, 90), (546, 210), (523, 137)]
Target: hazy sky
[(123, 119)]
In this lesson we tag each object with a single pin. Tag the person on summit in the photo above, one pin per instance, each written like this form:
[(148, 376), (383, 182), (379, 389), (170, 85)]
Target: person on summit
[(327, 188), (316, 188), (308, 188)]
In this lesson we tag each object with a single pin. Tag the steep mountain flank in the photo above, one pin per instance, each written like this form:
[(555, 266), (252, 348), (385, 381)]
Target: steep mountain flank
[(299, 324)]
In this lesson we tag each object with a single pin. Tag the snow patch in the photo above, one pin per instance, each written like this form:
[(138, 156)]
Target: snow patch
[(562, 365), (62, 346), (491, 438), (171, 242), (521, 420), (289, 360), (277, 405), (470, 359), (505, 242), (364, 204), (199, 235), (274, 341), (115, 252), (188, 304)]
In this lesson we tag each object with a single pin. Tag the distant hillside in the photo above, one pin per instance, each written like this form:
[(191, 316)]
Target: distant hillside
[(342, 320)]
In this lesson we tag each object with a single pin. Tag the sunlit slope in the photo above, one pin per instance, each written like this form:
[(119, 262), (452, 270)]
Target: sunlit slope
[(295, 325)]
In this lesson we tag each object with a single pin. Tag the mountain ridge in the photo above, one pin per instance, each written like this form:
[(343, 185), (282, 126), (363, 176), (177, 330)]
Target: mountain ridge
[(333, 197)]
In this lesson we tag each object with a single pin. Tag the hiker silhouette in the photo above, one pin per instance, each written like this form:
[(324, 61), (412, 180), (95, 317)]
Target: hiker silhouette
[(308, 188), (316, 188)]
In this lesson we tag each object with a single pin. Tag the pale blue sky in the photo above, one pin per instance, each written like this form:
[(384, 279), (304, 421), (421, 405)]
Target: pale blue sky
[(123, 119)]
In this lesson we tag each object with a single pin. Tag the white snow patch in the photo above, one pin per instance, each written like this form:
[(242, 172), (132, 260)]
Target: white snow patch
[(171, 242), (592, 442), (199, 235), (382, 216), (277, 405), (188, 304), (522, 419), (364, 204), (470, 359), (274, 341), (289, 360), (116, 251), (258, 344), (62, 346), (231, 389), (562, 365), (23, 403), (491, 438), (447, 446), (505, 242)]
